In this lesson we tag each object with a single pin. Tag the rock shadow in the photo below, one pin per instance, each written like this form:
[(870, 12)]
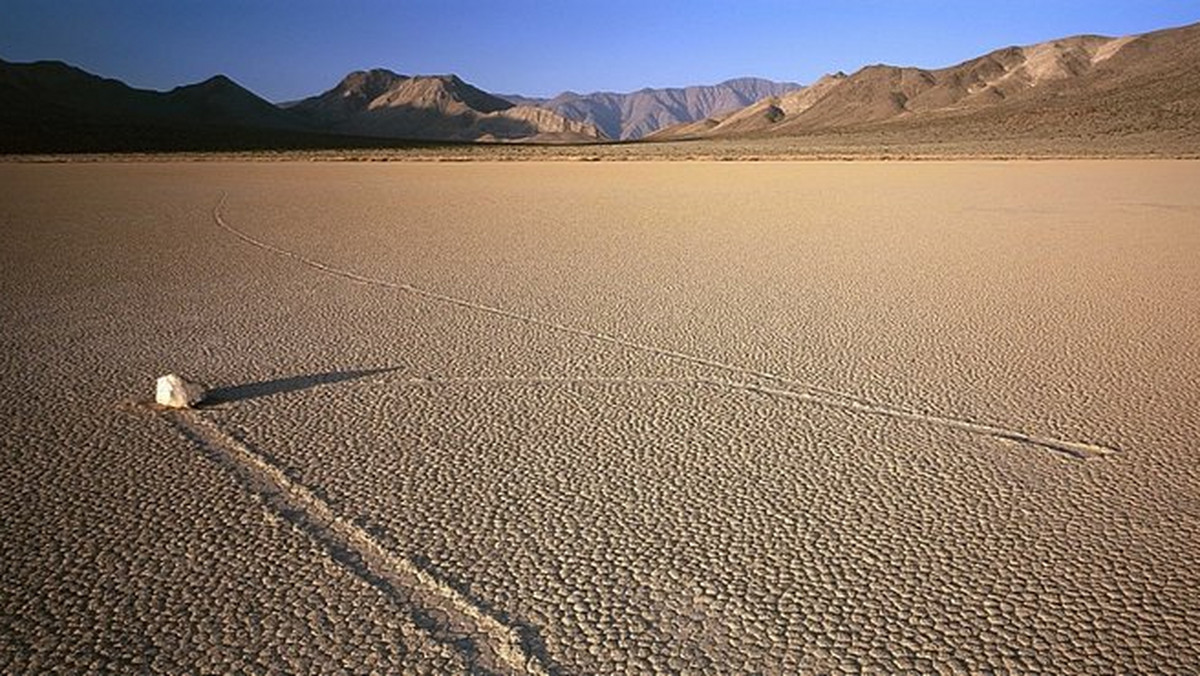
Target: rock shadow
[(267, 388)]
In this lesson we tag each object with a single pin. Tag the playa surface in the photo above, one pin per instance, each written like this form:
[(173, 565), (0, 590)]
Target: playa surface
[(578, 418)]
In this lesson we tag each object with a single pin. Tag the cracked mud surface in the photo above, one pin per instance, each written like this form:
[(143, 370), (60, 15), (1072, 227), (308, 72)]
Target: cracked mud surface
[(706, 418)]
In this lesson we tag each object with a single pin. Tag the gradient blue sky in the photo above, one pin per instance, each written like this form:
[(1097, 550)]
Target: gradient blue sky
[(285, 49)]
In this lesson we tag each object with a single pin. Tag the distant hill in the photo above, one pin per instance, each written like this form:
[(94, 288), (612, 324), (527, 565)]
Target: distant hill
[(636, 114), (219, 100), (35, 89), (1079, 85), (49, 106), (381, 103)]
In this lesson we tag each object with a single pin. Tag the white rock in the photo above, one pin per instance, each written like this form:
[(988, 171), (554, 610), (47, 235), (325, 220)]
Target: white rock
[(175, 392)]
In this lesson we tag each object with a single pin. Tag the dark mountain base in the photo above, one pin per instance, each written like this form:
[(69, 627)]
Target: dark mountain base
[(72, 137)]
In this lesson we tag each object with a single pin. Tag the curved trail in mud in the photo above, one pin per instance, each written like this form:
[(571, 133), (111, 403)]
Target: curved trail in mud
[(815, 394), (517, 316)]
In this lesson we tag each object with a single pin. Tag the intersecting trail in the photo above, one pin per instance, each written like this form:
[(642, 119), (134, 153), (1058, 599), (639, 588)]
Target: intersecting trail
[(795, 389), (1074, 449), (488, 644)]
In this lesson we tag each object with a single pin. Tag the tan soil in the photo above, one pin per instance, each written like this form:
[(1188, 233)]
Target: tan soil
[(601, 418)]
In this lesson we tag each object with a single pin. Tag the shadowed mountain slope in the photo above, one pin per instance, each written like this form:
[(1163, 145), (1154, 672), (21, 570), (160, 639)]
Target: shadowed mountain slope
[(49, 106), (51, 87)]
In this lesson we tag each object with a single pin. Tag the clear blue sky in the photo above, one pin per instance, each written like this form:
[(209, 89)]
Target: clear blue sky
[(285, 49)]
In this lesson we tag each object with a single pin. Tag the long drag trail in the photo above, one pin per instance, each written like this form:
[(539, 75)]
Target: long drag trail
[(814, 394), (450, 617)]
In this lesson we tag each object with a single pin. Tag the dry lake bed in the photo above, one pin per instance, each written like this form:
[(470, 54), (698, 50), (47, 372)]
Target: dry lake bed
[(575, 418)]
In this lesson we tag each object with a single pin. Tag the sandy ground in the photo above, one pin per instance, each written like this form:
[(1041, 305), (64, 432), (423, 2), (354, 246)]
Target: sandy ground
[(602, 418)]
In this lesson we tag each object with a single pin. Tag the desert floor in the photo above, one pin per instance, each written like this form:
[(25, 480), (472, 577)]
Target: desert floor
[(580, 418)]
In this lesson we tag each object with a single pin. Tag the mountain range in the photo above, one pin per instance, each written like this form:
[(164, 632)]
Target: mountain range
[(1142, 85), (1084, 84)]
